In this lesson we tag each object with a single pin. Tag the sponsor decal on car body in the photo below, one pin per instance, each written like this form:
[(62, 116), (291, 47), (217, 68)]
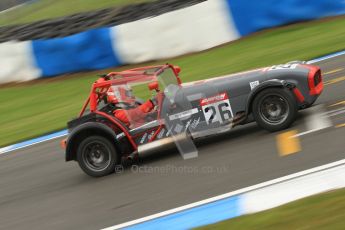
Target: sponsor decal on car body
[(253, 84), (183, 114)]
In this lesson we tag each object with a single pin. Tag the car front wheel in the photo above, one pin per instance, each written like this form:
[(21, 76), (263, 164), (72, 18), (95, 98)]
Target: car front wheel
[(97, 156), (274, 109)]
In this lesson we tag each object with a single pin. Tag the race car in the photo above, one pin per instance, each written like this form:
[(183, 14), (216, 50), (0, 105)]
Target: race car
[(139, 111)]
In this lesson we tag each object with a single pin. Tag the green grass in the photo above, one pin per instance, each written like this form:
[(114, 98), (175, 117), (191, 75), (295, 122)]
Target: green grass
[(324, 211), (45, 9), (30, 110)]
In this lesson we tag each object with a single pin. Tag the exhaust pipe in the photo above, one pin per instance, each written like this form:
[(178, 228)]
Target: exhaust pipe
[(164, 144), (156, 146)]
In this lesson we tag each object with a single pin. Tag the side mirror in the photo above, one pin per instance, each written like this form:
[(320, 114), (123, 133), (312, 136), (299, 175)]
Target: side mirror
[(177, 69), (154, 86)]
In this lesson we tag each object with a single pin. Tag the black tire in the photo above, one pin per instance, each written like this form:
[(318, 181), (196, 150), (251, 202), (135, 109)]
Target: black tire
[(274, 109), (97, 156)]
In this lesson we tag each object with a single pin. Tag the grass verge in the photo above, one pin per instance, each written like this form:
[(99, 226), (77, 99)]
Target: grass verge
[(33, 109), (46, 9), (324, 211)]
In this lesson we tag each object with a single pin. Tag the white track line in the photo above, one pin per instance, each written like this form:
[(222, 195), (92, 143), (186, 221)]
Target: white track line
[(18, 146), (320, 120), (337, 113), (316, 120), (337, 54)]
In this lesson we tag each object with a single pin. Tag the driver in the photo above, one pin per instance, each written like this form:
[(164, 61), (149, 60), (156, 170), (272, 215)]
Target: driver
[(136, 113)]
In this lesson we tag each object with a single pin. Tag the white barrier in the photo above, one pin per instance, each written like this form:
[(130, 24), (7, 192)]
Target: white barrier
[(17, 62), (187, 30)]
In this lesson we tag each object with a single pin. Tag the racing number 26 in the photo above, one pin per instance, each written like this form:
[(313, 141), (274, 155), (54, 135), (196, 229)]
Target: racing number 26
[(217, 112)]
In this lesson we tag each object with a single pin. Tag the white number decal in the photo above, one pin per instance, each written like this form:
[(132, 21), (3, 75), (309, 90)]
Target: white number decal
[(217, 108)]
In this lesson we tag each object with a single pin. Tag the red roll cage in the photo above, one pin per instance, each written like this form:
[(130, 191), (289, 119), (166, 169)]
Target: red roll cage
[(123, 77), (148, 73)]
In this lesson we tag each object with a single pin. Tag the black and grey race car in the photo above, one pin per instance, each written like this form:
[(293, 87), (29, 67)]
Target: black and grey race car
[(120, 125)]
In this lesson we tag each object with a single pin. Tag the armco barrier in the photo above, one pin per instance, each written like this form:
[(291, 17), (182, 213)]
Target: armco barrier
[(255, 198), (80, 22), (192, 29)]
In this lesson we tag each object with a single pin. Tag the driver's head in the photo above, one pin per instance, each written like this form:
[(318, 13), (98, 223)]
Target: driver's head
[(123, 93)]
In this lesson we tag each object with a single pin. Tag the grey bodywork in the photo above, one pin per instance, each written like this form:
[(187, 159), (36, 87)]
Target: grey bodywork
[(190, 115)]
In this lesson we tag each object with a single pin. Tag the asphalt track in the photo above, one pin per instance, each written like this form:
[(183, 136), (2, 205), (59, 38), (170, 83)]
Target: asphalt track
[(38, 190)]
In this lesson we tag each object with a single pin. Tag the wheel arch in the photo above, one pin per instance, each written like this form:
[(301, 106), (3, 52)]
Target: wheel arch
[(85, 130), (274, 83)]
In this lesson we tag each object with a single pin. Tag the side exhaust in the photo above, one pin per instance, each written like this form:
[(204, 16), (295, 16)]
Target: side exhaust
[(161, 145)]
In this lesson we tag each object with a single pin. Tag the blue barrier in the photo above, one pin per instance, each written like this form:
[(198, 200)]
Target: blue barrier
[(255, 15), (90, 50)]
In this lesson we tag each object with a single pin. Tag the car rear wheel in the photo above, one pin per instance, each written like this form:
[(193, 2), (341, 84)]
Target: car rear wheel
[(274, 109), (97, 156)]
